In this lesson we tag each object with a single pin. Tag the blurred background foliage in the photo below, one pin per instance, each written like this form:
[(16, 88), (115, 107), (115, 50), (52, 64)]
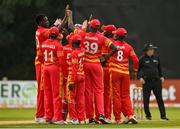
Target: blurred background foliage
[(146, 21)]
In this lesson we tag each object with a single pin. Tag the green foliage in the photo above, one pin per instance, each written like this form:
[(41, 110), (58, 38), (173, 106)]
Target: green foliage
[(17, 29)]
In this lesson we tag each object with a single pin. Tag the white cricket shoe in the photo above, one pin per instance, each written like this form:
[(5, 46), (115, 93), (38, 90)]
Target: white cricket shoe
[(61, 122), (82, 122), (40, 120), (130, 119), (108, 120), (74, 122)]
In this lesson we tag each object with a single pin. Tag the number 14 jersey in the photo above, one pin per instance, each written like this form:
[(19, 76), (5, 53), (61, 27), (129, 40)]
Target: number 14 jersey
[(93, 43)]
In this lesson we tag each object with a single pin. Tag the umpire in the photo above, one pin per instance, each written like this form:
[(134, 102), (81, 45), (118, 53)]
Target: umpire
[(150, 75)]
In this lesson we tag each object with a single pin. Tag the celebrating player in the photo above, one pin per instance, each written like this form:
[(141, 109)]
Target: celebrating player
[(42, 34), (107, 31), (77, 82), (93, 42), (120, 80), (53, 54)]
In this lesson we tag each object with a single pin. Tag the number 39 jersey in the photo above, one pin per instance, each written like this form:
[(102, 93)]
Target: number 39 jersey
[(52, 52), (119, 62), (93, 43)]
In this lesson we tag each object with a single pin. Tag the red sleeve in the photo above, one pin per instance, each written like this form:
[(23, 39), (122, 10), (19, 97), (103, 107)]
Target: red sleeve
[(45, 34), (134, 58), (74, 68), (40, 54)]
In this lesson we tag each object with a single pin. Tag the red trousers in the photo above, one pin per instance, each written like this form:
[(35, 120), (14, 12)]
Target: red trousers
[(40, 91), (94, 89), (107, 94), (64, 98), (52, 91), (121, 94), (77, 100)]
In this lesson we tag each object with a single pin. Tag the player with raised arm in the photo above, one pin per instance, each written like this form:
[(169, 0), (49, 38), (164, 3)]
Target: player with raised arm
[(42, 34), (120, 79)]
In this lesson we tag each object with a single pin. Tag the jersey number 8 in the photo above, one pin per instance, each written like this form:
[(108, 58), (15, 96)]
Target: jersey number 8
[(120, 55)]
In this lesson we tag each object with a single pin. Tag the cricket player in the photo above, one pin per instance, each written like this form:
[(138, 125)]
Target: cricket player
[(107, 32), (93, 42), (77, 82), (65, 68), (52, 52), (120, 79), (42, 33)]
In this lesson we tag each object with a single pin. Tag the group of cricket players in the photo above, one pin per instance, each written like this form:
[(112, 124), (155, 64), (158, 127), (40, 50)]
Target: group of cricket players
[(86, 80)]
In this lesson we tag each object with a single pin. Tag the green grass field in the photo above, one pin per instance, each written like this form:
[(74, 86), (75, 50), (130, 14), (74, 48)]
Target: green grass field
[(9, 117)]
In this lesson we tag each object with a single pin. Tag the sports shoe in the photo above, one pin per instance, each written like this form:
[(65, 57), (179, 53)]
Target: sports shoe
[(102, 119), (75, 122), (40, 120), (82, 122), (164, 118), (92, 121), (61, 122), (130, 119), (148, 118), (108, 120)]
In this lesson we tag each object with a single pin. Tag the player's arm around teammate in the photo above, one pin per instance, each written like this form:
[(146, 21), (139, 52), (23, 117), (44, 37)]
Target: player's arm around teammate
[(120, 79)]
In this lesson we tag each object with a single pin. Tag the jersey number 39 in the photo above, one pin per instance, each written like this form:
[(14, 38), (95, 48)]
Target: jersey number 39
[(91, 47)]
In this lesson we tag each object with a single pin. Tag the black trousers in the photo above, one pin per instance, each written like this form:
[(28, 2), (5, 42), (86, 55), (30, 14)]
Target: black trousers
[(154, 85)]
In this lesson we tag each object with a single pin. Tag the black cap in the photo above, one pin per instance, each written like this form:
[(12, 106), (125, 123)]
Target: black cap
[(147, 46)]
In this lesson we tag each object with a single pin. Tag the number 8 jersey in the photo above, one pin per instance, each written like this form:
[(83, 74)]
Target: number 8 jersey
[(93, 43), (119, 62)]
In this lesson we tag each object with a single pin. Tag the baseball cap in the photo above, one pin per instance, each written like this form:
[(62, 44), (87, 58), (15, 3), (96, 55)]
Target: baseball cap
[(54, 30), (109, 28), (120, 32), (76, 38), (95, 23)]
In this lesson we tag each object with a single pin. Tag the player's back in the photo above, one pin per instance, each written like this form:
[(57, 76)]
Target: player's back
[(120, 60), (93, 43), (78, 55), (51, 50)]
